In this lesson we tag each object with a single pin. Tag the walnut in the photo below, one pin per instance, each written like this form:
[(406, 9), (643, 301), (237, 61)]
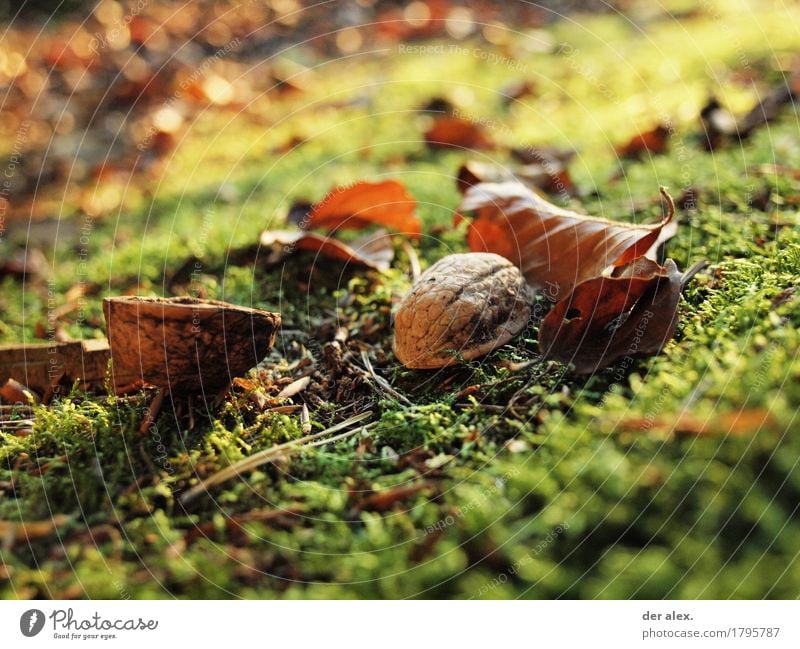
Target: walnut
[(464, 305)]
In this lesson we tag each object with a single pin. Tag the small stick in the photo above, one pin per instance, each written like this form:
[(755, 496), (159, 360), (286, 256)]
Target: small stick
[(152, 413), (190, 408), (416, 270), (691, 272), (382, 382)]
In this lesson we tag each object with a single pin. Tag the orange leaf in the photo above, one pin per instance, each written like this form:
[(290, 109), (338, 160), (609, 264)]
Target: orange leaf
[(456, 133), (556, 248), (652, 141), (484, 235), (387, 203)]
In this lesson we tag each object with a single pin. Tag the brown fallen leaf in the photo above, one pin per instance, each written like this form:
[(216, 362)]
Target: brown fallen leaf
[(775, 170), (25, 264), (11, 533), (384, 500), (387, 203), (438, 105), (542, 154), (632, 313), (718, 123), (550, 176), (766, 109), (374, 250), (652, 141), (474, 172), (721, 126), (185, 345), (737, 423), (554, 247), (450, 132), (517, 90), (783, 296)]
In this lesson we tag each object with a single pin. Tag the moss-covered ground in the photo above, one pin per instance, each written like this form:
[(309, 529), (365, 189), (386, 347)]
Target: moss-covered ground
[(497, 482)]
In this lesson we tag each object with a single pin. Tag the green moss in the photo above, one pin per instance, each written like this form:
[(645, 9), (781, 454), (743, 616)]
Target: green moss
[(538, 484)]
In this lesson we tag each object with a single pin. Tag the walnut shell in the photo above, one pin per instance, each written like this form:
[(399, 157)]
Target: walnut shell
[(464, 305), (185, 345)]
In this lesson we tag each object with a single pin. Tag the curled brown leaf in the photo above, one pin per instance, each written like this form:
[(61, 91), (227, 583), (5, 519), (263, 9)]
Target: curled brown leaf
[(548, 176), (374, 250), (555, 248), (631, 313)]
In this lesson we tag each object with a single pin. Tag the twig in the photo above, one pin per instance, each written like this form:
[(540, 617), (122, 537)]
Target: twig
[(12, 532), (416, 270), (481, 406), (269, 454), (382, 382), (16, 422), (691, 272), (153, 410)]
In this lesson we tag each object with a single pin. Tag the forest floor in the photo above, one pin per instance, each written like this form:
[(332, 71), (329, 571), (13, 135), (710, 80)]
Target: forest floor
[(674, 476)]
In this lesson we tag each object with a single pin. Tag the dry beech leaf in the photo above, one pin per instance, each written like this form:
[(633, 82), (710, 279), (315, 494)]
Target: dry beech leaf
[(465, 305), (556, 248), (652, 141), (718, 123), (721, 126), (438, 106), (736, 423), (26, 531), (532, 154), (374, 250), (766, 109), (550, 176), (514, 91), (632, 313), (382, 501), (451, 132), (28, 263), (387, 203), (185, 345)]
